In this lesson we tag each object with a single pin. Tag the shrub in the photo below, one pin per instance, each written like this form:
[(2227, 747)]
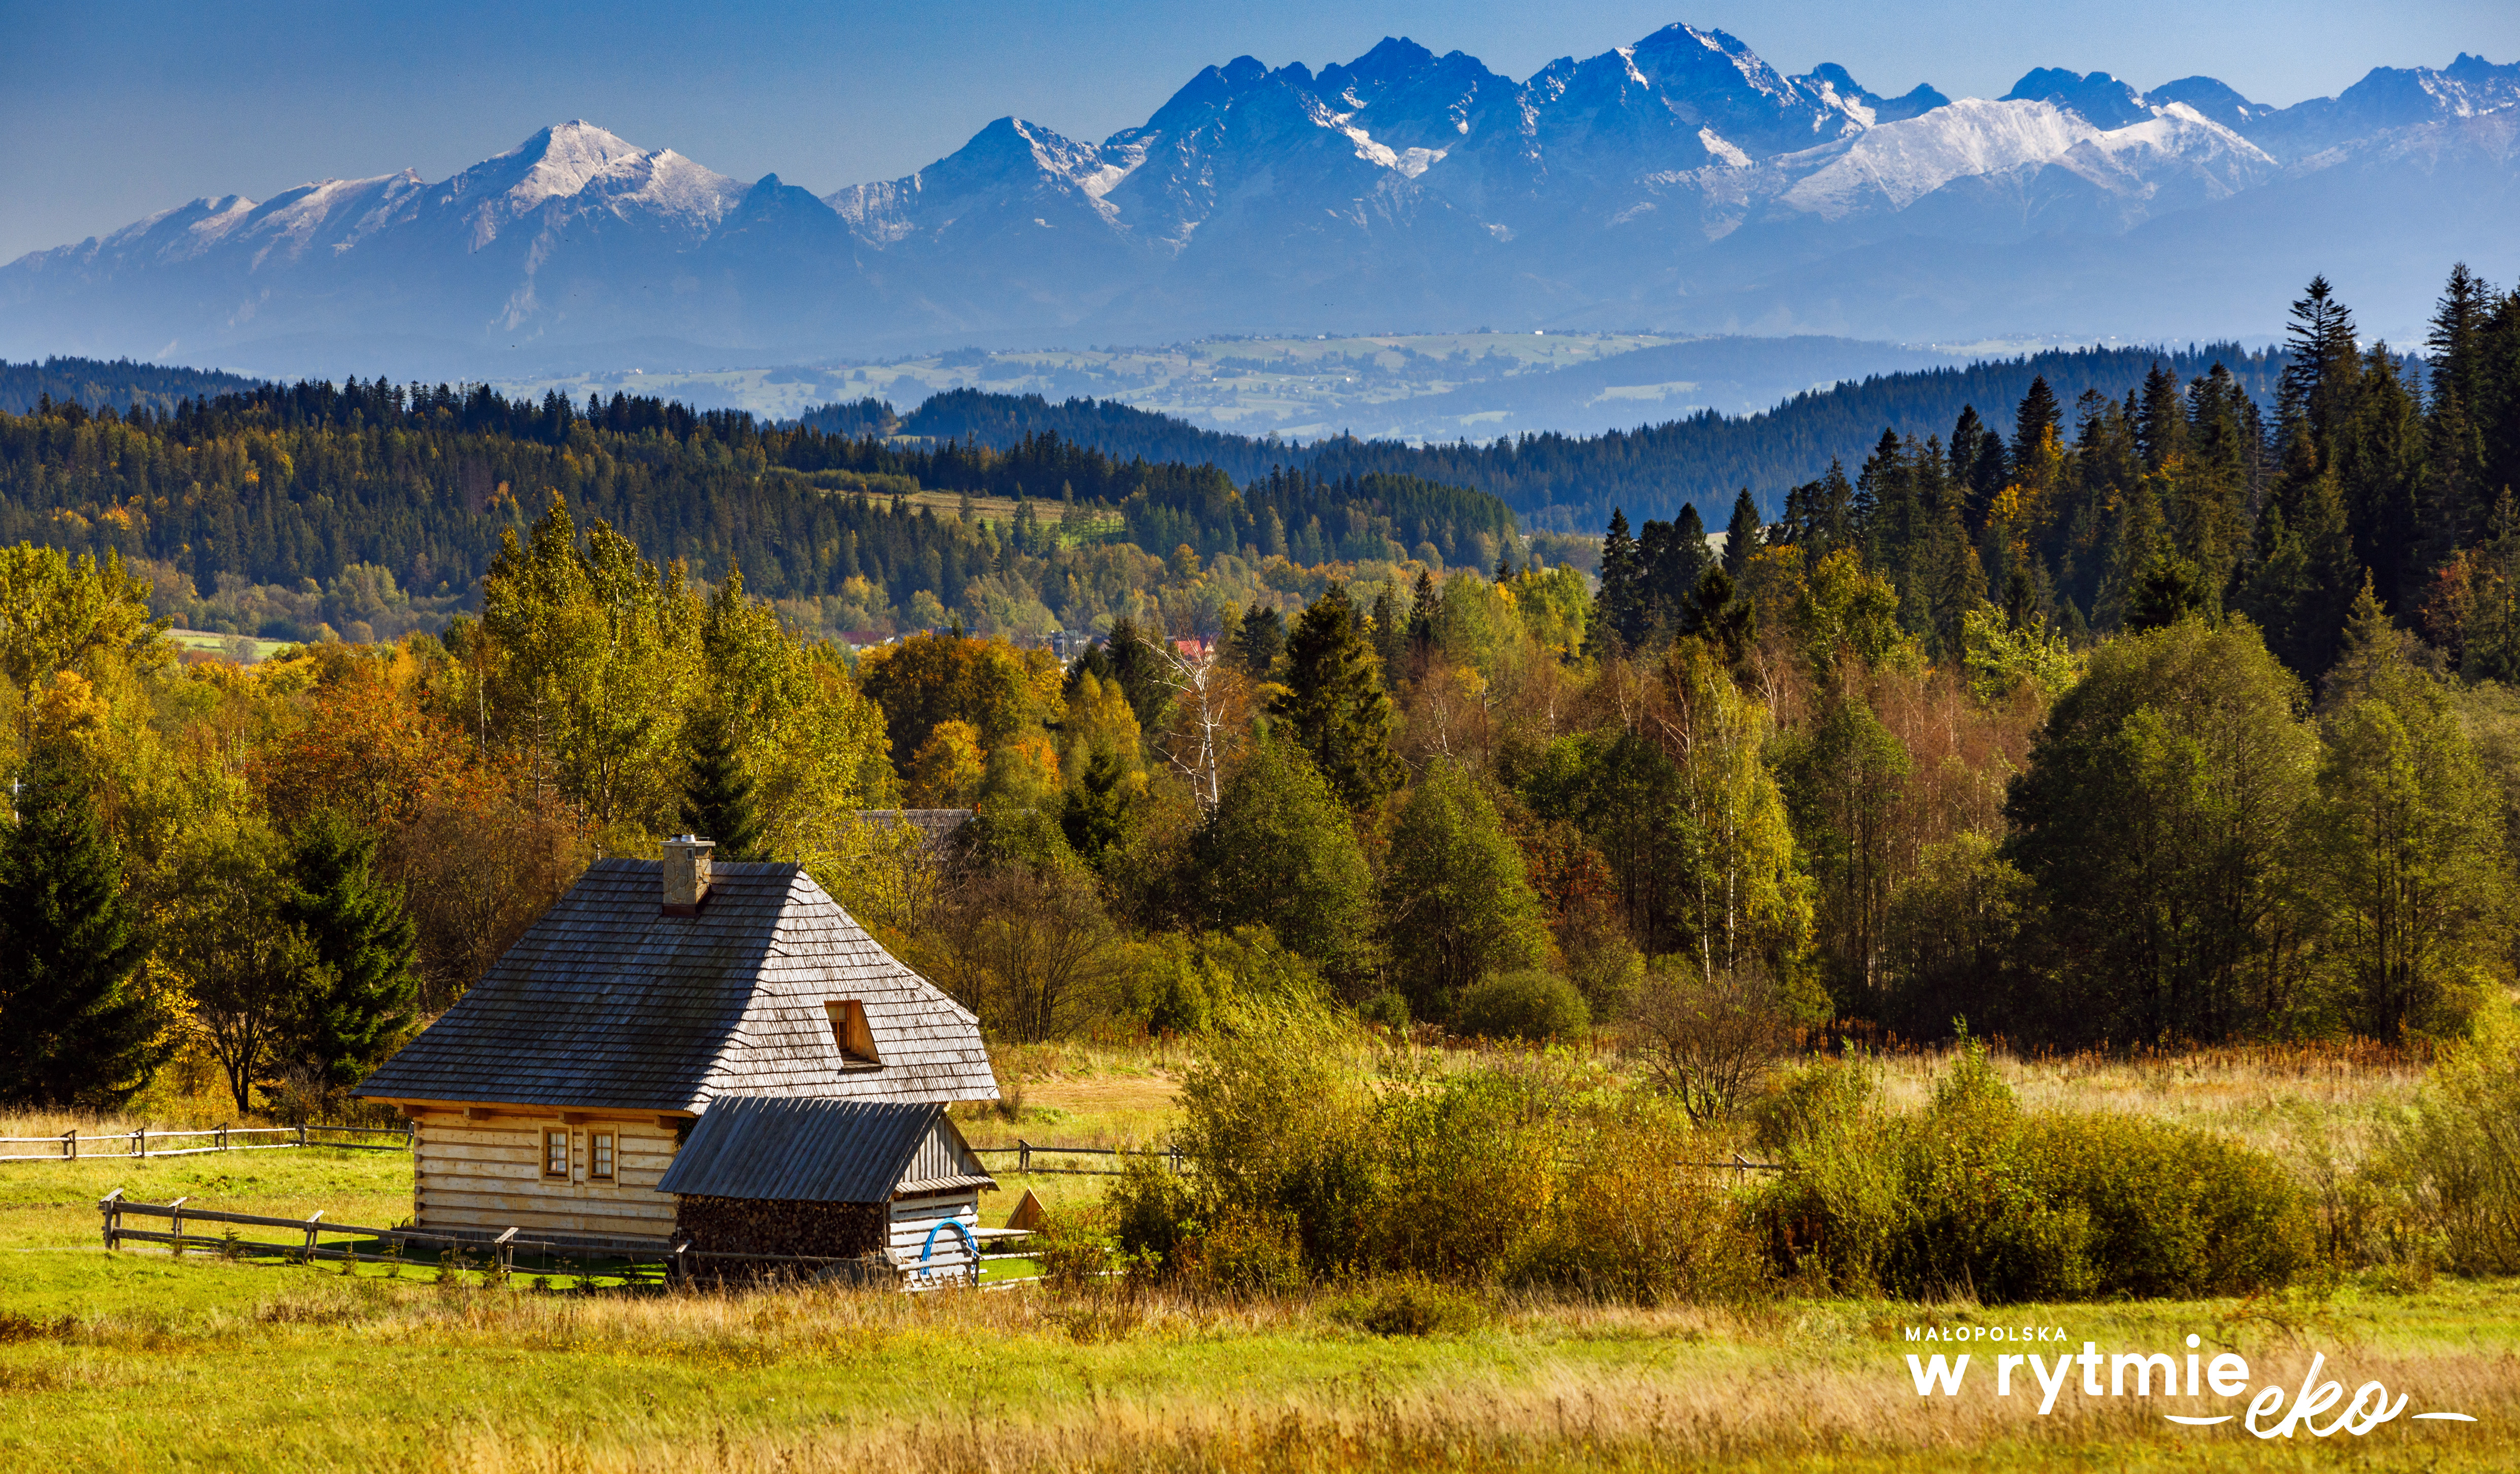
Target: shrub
[(1149, 1211), (2172, 1210), (1708, 1039), (1974, 1195), (1278, 1123), (1629, 1223), (1411, 1306), (1531, 1005), (1819, 1097), (1074, 1249), (1247, 1253), (1461, 1172), (1387, 1008), (2453, 1164), (1468, 1178)]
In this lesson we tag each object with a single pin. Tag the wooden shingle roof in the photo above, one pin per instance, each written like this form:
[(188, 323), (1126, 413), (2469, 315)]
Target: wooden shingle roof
[(607, 1002)]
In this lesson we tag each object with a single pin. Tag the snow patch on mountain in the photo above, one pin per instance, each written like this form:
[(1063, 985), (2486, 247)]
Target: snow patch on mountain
[(1715, 145), (2123, 160), (1897, 164)]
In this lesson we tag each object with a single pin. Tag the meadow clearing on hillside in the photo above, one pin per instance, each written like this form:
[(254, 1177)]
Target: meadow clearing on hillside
[(137, 1360)]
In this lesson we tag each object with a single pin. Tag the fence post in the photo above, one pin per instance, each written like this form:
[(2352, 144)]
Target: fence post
[(176, 1218), (308, 1256), (301, 1133), (140, 1142), (507, 1255), (223, 1136), (1023, 1159), (111, 1206), (69, 1143)]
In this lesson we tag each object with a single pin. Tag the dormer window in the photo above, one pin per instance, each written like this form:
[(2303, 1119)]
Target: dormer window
[(850, 1032)]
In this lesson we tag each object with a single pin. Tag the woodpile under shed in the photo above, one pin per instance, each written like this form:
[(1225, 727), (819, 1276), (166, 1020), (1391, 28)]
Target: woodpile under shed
[(775, 1184)]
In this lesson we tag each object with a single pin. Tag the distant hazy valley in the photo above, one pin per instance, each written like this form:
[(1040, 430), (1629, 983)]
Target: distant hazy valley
[(1401, 387)]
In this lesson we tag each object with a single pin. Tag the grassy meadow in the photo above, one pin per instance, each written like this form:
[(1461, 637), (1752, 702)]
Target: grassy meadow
[(138, 1360)]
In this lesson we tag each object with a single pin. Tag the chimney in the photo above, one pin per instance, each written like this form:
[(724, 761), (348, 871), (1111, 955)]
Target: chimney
[(687, 873)]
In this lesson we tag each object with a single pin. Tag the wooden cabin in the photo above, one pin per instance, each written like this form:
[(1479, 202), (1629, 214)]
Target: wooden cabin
[(557, 1094), (890, 1180)]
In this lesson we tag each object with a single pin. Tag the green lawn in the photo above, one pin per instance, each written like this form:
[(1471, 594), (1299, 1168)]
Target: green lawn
[(142, 1362)]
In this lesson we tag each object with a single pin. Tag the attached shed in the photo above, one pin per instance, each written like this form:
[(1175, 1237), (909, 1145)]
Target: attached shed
[(555, 1092), (781, 1176)]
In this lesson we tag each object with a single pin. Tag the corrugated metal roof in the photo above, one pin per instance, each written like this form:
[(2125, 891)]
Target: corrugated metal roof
[(823, 1151), (606, 1002)]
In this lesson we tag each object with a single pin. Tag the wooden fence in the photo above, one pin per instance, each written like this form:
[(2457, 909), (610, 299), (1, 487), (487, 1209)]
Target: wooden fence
[(1024, 1151), (496, 1253), (70, 1147)]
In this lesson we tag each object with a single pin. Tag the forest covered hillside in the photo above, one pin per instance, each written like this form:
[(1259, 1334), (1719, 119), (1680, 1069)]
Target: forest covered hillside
[(1962, 735), (119, 384), (286, 509), (1569, 483)]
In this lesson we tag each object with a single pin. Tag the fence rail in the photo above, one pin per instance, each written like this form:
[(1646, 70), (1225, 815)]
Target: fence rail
[(70, 1147), (1024, 1151), (675, 1261)]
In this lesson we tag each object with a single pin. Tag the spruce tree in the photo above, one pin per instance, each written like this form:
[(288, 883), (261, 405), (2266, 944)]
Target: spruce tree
[(1619, 610), (717, 796), (1387, 630), (1741, 536), (1141, 670), (1714, 614), (1425, 604), (2037, 417), (1967, 432), (2160, 419), (2319, 377), (1988, 472), (362, 942), (1676, 564), (74, 1028), (1257, 639), (1094, 814), (1335, 706)]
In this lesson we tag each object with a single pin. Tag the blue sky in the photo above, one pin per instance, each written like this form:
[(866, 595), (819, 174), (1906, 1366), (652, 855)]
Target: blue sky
[(110, 111)]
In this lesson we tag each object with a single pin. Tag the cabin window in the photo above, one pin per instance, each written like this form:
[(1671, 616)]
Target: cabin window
[(556, 1153), (850, 1032), (598, 1156)]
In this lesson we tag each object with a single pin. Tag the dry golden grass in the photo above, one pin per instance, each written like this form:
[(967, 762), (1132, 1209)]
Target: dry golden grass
[(1800, 1387), (1564, 1418), (1081, 1095)]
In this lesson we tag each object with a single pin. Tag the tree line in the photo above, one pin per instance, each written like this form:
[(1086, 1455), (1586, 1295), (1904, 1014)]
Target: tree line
[(99, 384), (1562, 482), (408, 491)]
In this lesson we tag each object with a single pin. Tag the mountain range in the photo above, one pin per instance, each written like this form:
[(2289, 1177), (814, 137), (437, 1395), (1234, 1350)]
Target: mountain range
[(1681, 184)]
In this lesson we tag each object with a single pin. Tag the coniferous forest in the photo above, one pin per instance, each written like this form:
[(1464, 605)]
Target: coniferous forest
[(1555, 481), (2138, 719)]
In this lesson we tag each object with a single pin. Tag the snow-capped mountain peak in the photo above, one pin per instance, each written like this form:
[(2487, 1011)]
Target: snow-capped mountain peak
[(1681, 182)]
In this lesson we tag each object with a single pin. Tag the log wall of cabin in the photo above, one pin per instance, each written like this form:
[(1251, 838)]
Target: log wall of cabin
[(488, 1174)]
